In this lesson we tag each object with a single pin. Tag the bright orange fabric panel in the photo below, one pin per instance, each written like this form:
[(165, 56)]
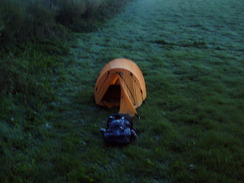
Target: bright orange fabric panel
[(126, 105)]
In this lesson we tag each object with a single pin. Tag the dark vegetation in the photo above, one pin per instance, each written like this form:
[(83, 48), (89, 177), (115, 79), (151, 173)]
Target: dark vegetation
[(33, 20), (28, 21), (191, 55), (35, 36)]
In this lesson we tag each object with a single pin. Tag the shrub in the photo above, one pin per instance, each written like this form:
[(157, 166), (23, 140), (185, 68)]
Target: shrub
[(27, 20), (12, 15), (77, 14), (14, 76), (40, 19)]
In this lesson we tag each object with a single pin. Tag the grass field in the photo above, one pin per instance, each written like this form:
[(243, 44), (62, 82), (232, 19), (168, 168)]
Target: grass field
[(191, 55)]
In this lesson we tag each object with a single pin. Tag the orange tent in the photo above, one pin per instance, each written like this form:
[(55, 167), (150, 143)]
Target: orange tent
[(121, 83)]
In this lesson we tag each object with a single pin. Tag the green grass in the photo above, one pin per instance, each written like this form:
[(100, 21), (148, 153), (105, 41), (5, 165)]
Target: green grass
[(191, 55)]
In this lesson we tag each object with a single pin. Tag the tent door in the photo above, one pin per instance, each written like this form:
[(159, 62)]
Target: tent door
[(126, 105), (112, 96)]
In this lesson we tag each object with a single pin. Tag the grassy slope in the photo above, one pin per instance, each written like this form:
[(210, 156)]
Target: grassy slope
[(190, 129)]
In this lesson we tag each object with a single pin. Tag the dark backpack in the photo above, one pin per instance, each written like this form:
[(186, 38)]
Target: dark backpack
[(119, 129)]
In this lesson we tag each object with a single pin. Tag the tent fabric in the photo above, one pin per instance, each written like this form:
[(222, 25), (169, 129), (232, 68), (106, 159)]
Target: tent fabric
[(120, 83)]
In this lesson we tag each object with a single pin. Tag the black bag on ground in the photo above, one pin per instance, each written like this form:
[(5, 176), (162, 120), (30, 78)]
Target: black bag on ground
[(119, 129)]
